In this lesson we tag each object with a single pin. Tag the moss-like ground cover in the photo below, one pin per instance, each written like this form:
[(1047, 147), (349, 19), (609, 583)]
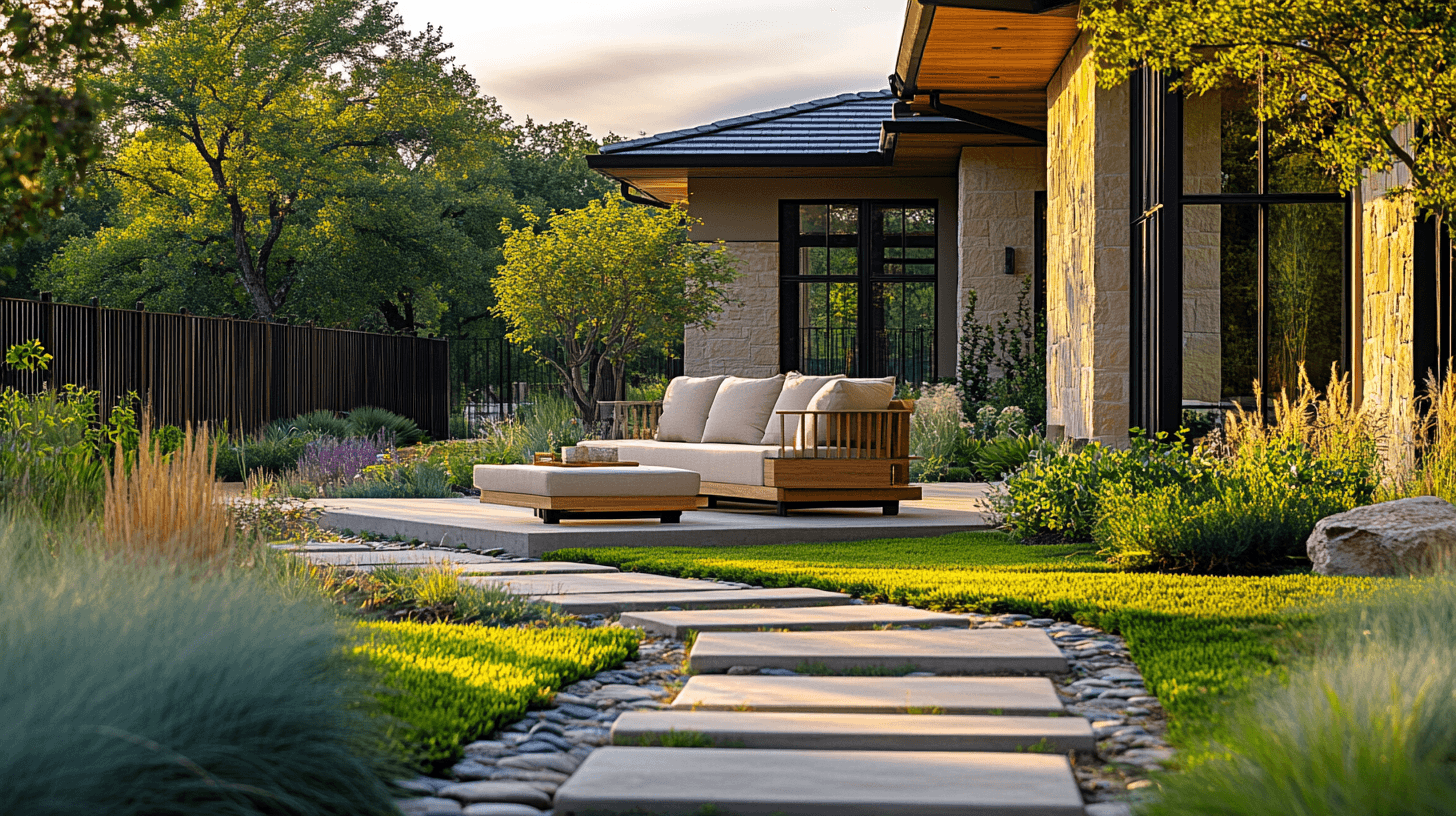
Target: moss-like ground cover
[(1196, 638), (459, 683)]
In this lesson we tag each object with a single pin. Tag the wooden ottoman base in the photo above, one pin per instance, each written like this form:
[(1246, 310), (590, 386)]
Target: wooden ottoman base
[(552, 509)]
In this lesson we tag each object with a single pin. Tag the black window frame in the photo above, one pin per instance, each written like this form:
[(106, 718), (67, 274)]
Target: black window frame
[(870, 246), (1157, 200)]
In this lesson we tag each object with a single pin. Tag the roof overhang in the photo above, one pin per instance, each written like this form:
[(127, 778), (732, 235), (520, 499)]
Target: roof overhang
[(991, 57)]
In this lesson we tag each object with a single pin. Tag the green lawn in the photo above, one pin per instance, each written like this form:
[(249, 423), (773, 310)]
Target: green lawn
[(1195, 638), (459, 683)]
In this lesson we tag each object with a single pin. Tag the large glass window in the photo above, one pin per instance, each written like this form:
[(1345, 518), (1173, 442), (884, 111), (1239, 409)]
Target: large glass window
[(1264, 249), (858, 288)]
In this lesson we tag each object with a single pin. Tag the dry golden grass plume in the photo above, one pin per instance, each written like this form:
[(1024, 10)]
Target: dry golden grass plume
[(167, 508)]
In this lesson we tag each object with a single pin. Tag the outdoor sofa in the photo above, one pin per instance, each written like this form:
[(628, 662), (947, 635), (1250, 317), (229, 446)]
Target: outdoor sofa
[(791, 440)]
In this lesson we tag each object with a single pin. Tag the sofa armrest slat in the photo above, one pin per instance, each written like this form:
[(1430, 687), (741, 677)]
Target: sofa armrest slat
[(633, 419)]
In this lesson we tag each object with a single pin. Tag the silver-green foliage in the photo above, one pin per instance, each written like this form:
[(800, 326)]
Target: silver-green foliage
[(935, 429), (139, 691), (1367, 727)]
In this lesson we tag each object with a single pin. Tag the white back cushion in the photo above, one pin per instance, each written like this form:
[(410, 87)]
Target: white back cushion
[(798, 390), (741, 409), (685, 408), (847, 395)]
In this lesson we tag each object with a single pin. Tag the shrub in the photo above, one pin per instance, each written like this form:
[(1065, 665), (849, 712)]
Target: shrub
[(133, 692), (935, 428), (1255, 511), (314, 423), (1016, 346), (269, 453), (327, 460), (1367, 727), (368, 422), (459, 683), (416, 480), (1059, 492), (50, 448), (1005, 455), (548, 423)]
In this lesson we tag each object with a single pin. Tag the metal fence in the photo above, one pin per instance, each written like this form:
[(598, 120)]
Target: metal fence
[(492, 376), (907, 354), (244, 373)]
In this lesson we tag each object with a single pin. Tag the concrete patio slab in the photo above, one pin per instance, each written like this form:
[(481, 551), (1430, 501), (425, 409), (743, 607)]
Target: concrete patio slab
[(465, 521), (870, 695), (569, 584), (814, 731), (518, 568), (351, 558), (323, 547), (614, 603), (681, 781), (861, 616), (981, 651)]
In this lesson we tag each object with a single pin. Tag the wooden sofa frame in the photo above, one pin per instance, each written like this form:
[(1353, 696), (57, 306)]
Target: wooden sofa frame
[(863, 462)]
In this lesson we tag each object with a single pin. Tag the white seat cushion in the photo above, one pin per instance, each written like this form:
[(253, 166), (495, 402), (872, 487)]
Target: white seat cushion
[(741, 410), (685, 408), (714, 462), (537, 480), (798, 390)]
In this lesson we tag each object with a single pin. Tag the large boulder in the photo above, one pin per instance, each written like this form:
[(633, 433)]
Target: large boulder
[(1391, 538)]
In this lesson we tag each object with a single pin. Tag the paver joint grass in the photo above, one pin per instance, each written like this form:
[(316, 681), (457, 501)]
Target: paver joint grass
[(1195, 638)]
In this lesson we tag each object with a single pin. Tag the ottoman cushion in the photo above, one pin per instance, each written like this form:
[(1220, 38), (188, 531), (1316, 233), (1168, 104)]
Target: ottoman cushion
[(536, 480)]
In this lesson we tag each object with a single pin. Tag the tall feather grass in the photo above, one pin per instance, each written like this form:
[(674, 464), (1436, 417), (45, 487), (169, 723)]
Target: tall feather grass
[(130, 690), (167, 508)]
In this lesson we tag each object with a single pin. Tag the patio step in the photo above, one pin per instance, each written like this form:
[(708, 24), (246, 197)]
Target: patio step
[(470, 563), (946, 651), (570, 584), (615, 603), (813, 731), (870, 695), (859, 616), (621, 780)]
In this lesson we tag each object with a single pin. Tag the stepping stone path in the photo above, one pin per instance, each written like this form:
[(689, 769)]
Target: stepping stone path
[(985, 715)]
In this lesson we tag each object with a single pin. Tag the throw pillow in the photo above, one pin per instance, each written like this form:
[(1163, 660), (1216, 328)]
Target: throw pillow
[(847, 395), (741, 409), (685, 408), (798, 390)]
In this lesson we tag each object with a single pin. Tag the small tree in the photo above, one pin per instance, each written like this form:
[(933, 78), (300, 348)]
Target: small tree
[(1340, 77), (603, 282)]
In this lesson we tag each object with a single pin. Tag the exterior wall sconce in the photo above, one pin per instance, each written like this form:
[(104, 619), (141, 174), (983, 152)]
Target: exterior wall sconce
[(1011, 260)]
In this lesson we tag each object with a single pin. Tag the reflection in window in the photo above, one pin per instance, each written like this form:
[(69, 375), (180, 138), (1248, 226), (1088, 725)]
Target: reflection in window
[(1306, 278), (862, 294)]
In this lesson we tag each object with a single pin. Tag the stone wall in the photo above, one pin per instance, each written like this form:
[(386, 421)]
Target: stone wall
[(1202, 239), (745, 338), (1087, 253), (996, 210), (1386, 275)]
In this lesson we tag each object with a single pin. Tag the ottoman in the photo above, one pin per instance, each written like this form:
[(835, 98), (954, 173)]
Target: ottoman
[(590, 492)]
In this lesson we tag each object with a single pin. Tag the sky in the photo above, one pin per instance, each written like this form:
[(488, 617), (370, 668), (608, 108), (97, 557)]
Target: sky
[(648, 66)]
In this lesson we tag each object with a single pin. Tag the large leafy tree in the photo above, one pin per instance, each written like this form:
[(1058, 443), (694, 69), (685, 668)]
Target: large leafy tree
[(262, 140), (603, 282), (1343, 77), (48, 130)]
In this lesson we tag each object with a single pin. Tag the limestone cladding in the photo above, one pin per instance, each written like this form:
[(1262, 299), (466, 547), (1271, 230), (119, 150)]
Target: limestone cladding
[(1202, 349), (744, 340), (1087, 252), (996, 210), (1387, 274)]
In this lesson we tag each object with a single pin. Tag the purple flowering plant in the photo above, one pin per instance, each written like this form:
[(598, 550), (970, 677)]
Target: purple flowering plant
[(327, 460)]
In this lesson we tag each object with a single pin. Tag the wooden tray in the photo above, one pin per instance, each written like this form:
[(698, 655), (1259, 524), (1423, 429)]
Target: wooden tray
[(559, 463)]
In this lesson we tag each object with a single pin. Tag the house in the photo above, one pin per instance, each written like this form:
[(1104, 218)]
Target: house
[(1176, 256)]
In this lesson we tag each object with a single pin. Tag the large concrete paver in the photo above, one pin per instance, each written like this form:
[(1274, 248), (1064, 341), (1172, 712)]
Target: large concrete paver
[(635, 582), (859, 616), (870, 695), (981, 651), (469, 569), (472, 563), (861, 732), (613, 603), (682, 781)]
